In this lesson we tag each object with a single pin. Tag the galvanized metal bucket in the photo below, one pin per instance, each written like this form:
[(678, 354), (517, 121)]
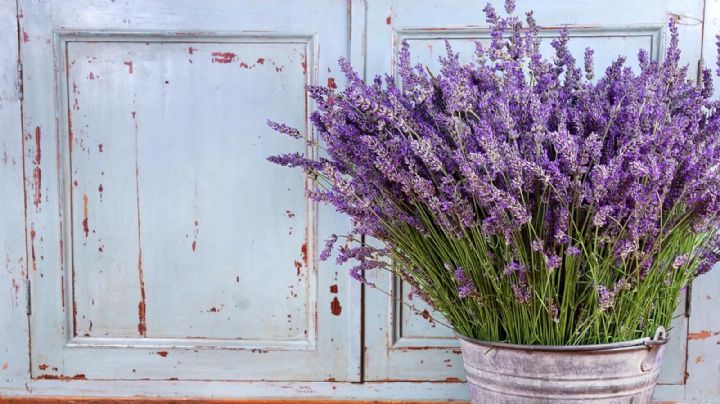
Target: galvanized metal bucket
[(624, 372)]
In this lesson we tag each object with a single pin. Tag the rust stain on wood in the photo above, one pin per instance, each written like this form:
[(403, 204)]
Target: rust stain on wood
[(388, 20), (331, 83), (164, 354), (261, 61), (335, 307), (333, 288)]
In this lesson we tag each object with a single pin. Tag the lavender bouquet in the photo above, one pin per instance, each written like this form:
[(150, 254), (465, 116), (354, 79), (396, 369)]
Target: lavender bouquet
[(524, 201)]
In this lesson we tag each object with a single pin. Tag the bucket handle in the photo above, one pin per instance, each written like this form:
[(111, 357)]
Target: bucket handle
[(660, 337), (652, 360)]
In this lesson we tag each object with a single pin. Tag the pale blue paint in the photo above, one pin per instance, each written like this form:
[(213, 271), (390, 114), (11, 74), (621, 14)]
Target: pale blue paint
[(201, 143)]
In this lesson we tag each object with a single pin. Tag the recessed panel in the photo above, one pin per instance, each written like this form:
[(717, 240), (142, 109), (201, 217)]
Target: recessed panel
[(180, 226)]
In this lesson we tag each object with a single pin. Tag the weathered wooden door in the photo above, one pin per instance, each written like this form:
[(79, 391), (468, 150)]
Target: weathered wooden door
[(163, 245), (404, 343)]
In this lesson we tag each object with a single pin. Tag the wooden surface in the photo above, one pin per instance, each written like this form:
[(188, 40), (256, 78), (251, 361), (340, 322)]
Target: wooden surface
[(140, 195), (90, 400)]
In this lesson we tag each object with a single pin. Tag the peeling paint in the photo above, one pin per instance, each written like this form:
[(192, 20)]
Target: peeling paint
[(195, 234), (303, 63), (37, 170), (32, 248), (85, 224), (78, 376), (304, 253), (335, 307), (142, 327), (222, 57), (704, 334)]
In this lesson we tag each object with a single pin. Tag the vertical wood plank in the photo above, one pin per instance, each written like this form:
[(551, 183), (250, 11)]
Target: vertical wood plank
[(14, 359)]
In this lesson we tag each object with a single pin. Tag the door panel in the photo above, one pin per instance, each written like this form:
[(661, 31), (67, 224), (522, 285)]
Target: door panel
[(164, 245), (403, 341)]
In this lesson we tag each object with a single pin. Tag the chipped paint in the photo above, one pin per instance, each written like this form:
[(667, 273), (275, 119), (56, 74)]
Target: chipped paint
[(85, 225), (164, 354), (260, 61), (37, 170), (304, 253), (196, 230), (142, 326), (331, 83), (334, 288), (129, 64), (335, 307), (303, 63), (222, 57), (704, 334), (32, 248), (78, 376)]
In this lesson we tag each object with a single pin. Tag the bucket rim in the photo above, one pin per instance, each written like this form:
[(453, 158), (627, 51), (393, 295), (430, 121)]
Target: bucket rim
[(660, 338)]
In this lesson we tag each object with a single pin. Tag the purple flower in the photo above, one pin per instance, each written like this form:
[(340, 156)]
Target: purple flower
[(329, 243), (517, 158), (605, 297), (465, 285), (573, 251)]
